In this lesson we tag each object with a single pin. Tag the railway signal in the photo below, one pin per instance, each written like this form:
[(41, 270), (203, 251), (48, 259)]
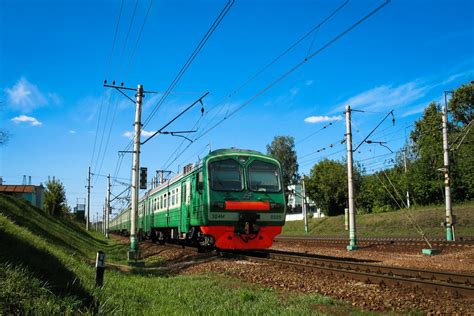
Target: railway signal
[(143, 178)]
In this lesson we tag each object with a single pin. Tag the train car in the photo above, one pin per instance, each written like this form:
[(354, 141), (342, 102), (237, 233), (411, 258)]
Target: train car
[(232, 199)]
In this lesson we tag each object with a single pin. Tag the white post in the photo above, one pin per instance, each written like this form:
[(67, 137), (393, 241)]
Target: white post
[(305, 210), (352, 223), (107, 208), (405, 163), (447, 180), (88, 198), (134, 253)]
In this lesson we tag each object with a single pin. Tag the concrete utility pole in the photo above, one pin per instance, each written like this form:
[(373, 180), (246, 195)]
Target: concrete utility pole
[(107, 208), (88, 197), (104, 209), (447, 180), (352, 223), (405, 164), (134, 252), (305, 210)]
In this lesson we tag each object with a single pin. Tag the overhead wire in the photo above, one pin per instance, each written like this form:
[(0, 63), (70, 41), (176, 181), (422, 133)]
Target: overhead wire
[(107, 69), (298, 65), (277, 58), (264, 68), (185, 67), (125, 43), (191, 58), (291, 70)]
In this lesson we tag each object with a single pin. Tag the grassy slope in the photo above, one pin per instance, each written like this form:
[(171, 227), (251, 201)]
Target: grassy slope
[(44, 269), (391, 224)]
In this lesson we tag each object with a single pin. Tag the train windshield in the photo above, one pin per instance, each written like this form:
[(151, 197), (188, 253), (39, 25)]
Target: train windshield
[(226, 175), (264, 177)]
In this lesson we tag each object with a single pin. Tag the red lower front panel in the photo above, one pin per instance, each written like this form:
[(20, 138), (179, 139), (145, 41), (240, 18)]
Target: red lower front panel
[(225, 237)]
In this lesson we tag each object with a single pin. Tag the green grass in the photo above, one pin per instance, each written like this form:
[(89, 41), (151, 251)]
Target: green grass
[(45, 269), (390, 224)]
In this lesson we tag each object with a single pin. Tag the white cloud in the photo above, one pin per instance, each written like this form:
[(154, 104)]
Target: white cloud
[(320, 119), (71, 131), (25, 96), (26, 119), (147, 133), (130, 134), (386, 97)]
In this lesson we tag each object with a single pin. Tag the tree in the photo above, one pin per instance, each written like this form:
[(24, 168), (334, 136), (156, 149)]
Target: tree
[(426, 181), (461, 108), (461, 105), (55, 198), (327, 185), (283, 149)]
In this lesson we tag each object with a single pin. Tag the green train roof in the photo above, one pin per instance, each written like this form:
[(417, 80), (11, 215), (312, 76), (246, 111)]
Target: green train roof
[(234, 150)]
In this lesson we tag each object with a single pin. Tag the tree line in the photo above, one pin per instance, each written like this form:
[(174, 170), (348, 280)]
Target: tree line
[(385, 189)]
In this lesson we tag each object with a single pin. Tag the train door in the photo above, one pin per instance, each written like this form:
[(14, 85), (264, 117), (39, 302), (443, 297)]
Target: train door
[(152, 212), (197, 199), (185, 205)]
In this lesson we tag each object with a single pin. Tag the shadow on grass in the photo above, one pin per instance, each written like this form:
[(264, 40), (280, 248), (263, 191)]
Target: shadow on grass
[(34, 219), (44, 266)]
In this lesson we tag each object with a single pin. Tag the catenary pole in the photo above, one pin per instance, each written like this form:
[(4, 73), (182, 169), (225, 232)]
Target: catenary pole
[(88, 198), (447, 180), (107, 208), (134, 252), (305, 210), (350, 186)]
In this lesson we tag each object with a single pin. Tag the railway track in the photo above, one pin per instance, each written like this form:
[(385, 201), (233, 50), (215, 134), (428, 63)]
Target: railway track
[(458, 284), (462, 242)]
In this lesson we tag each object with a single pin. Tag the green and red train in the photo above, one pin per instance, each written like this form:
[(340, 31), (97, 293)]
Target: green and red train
[(232, 199)]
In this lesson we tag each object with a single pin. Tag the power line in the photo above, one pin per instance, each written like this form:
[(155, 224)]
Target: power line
[(284, 75), (106, 71), (298, 65), (330, 146), (373, 130), (314, 133), (127, 36), (259, 72), (138, 38), (271, 63), (191, 58)]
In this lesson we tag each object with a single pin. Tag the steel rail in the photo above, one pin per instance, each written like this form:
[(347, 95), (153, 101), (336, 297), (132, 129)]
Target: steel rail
[(460, 284), (466, 241)]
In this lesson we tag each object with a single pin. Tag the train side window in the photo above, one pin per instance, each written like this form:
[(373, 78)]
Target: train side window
[(199, 182)]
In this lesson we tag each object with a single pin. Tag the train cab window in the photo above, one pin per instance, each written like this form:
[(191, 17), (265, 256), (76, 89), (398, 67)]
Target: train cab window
[(226, 175), (264, 177)]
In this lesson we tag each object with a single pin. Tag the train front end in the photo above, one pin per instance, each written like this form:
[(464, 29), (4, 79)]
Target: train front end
[(246, 203)]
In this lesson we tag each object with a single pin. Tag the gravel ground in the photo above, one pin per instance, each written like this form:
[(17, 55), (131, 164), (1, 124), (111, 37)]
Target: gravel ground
[(366, 296), (453, 259)]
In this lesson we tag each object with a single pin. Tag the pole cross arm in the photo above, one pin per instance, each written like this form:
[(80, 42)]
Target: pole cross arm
[(175, 118)]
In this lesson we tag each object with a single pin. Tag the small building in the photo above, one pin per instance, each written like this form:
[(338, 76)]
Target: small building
[(79, 211), (295, 204), (31, 193)]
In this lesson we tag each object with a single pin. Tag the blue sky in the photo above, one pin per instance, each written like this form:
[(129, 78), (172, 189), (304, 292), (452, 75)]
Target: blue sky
[(54, 56)]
